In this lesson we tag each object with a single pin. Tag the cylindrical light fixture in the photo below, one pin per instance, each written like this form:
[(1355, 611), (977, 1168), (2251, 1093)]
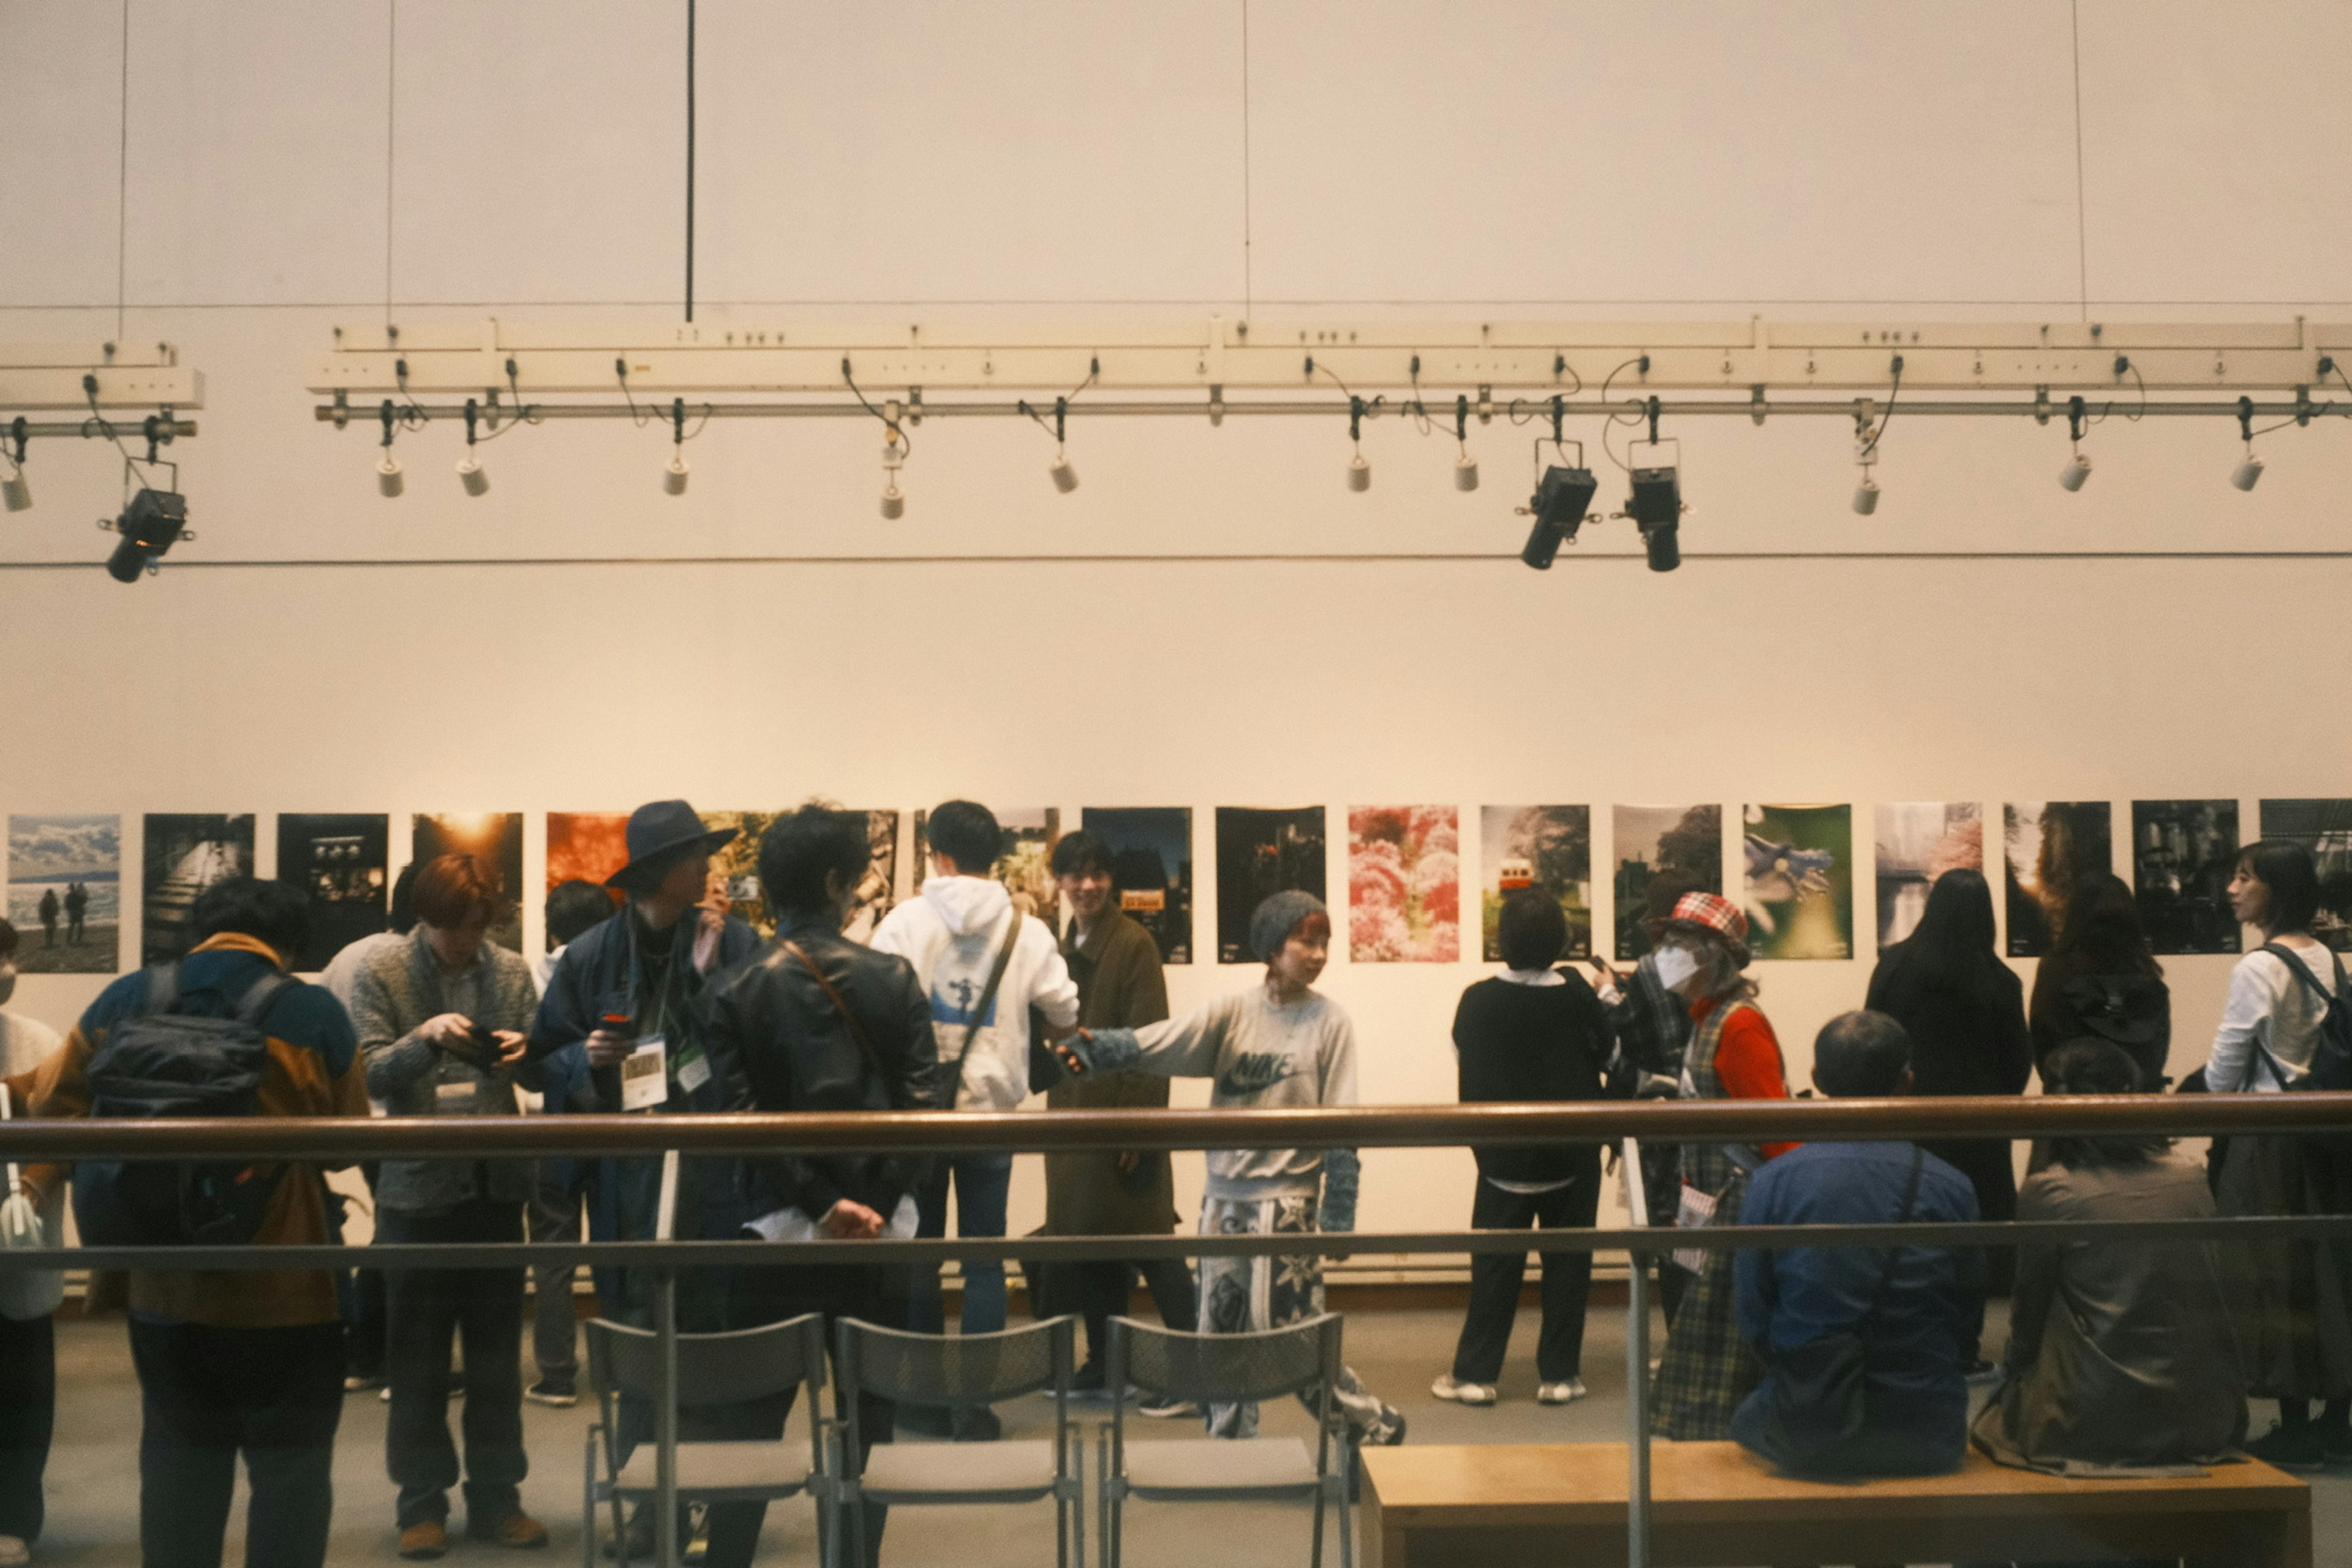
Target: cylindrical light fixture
[(1359, 472), (674, 475), (894, 505), (1466, 472), (1066, 477), (16, 490), (388, 483), (1866, 495), (2076, 473), (470, 475), (2248, 473)]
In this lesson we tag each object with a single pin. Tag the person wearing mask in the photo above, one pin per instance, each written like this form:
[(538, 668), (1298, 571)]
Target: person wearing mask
[(985, 966), (1652, 1026), (817, 1023), (559, 1185), (32, 1213), (2122, 1354), (236, 1362), (1964, 1011), (1709, 1366), (619, 1030), (1115, 967), (1279, 1044), (441, 1020), (2099, 980), (1532, 1033), (1908, 1311), (2298, 1335)]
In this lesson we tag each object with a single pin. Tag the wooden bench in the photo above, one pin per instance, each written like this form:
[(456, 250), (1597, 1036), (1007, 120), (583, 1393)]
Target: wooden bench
[(1716, 1505)]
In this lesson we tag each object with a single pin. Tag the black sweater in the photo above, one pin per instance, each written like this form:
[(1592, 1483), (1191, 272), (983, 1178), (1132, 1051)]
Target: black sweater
[(1532, 1043)]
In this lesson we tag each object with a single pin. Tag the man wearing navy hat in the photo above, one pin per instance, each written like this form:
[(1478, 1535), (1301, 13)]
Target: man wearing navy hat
[(622, 1010)]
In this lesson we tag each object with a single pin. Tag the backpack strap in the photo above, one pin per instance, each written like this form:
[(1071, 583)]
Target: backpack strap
[(259, 996), (2302, 972), (162, 988)]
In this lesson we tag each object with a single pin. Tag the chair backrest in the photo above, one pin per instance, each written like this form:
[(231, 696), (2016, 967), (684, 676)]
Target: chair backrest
[(712, 1369), (955, 1369), (1224, 1368)]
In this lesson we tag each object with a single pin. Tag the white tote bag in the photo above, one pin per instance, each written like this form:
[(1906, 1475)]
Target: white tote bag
[(24, 1293)]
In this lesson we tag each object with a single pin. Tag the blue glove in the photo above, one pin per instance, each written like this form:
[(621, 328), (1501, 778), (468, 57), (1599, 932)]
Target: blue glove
[(1104, 1050), (1342, 1170)]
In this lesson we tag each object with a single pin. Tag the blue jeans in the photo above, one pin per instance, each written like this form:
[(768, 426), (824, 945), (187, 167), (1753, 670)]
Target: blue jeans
[(980, 1183)]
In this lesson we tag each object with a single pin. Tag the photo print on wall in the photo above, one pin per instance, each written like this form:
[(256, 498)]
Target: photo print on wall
[(2050, 847), (2323, 828), (1651, 839), (1918, 841), (494, 837), (1546, 847), (2183, 852), (65, 892), (1798, 883), (1024, 862), (1151, 868), (736, 865), (585, 846), (340, 858), (1260, 852), (878, 890), (185, 855), (1404, 884)]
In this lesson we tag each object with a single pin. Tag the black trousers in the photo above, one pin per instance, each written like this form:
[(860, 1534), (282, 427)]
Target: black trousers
[(1495, 1277), (275, 1395), (363, 1327), (1103, 1288), (28, 1408), (484, 1306)]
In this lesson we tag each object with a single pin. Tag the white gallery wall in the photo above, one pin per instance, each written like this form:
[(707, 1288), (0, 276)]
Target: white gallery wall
[(1211, 618)]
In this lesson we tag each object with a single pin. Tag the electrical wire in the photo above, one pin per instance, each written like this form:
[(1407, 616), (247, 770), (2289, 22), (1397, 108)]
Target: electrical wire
[(1616, 417), (1870, 452), (905, 441)]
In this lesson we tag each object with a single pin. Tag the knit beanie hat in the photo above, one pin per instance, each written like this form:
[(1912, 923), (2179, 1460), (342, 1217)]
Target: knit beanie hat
[(1273, 922)]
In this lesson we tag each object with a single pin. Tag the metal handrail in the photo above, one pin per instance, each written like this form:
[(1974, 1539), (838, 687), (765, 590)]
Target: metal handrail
[(1363, 1127)]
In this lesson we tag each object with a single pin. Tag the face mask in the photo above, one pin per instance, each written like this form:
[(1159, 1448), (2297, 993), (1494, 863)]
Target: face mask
[(1675, 967)]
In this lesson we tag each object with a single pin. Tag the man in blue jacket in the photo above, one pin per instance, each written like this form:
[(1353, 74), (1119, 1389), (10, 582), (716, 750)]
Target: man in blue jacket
[(1911, 1308)]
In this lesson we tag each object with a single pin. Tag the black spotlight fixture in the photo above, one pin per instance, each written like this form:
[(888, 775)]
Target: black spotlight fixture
[(153, 522), (1563, 494), (1656, 504)]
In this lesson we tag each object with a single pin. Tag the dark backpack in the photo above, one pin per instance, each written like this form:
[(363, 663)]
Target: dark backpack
[(2331, 1053), (158, 1063)]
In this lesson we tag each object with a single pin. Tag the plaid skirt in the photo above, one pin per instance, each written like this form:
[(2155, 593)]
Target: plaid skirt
[(1707, 1368)]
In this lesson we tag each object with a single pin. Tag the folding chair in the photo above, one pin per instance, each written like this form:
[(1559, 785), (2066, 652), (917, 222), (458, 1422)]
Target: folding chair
[(1223, 1369), (712, 1369), (963, 1369)]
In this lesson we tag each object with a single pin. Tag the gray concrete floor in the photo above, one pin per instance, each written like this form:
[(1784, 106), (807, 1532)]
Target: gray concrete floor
[(93, 1480)]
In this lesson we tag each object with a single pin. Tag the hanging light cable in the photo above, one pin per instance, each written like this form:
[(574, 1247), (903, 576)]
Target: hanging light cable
[(1466, 467), (388, 483)]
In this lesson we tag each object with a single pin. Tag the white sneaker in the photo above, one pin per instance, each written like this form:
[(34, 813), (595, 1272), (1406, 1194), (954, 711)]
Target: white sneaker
[(14, 1552), (1560, 1393), (1445, 1387)]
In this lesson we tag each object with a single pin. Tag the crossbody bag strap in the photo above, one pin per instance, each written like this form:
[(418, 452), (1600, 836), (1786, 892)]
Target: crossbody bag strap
[(988, 997), (856, 1026)]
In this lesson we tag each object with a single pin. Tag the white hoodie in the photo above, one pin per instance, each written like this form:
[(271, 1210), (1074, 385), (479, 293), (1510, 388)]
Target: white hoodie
[(952, 935)]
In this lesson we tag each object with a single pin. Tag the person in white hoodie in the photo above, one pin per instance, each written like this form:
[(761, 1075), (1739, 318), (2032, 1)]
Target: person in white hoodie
[(958, 935), (1279, 1044)]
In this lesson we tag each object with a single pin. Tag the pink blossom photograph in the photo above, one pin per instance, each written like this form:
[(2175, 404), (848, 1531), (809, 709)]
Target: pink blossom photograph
[(1404, 884)]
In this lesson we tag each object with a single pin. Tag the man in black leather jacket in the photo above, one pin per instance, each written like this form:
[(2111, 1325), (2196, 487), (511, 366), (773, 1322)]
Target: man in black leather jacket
[(812, 1021)]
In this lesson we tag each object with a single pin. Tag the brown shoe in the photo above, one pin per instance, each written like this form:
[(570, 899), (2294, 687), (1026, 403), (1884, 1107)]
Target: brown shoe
[(424, 1540), (517, 1530)]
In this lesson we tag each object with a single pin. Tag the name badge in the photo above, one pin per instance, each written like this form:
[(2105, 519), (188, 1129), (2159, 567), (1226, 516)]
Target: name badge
[(446, 1095), (694, 1072), (645, 1074)]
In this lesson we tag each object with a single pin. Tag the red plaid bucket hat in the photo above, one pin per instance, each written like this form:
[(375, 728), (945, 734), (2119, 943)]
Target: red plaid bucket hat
[(1718, 917)]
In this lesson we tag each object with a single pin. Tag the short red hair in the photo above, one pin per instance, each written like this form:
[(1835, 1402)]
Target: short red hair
[(451, 888)]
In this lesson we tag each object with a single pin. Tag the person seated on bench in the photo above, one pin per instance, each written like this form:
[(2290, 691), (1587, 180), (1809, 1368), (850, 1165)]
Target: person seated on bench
[(2121, 1355), (1864, 1370)]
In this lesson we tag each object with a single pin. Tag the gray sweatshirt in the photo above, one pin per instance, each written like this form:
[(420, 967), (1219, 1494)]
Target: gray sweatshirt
[(1261, 1056)]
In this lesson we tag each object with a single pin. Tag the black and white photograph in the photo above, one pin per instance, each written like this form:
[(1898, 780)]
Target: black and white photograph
[(1654, 838), (1152, 866), (65, 892), (185, 854), (339, 858), (2324, 827), (2183, 852), (1260, 852), (2049, 847), (494, 837), (1916, 842)]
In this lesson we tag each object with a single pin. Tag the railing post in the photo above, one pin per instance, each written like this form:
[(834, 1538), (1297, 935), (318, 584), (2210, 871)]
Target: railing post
[(1637, 1368), (665, 1420)]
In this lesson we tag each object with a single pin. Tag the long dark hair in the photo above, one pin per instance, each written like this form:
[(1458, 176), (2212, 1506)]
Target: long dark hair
[(2102, 932), (2090, 1066), (1951, 948), (2287, 872)]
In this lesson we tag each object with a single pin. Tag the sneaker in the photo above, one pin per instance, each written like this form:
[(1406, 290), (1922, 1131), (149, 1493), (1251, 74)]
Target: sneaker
[(384, 1396), (548, 1391), (14, 1552), (975, 1424), (361, 1381), (424, 1540), (1448, 1386), (514, 1530), (1165, 1407), (1981, 1372), (1567, 1392), (2290, 1448)]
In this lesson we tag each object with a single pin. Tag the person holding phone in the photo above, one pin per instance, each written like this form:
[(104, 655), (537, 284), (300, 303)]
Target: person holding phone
[(441, 1019)]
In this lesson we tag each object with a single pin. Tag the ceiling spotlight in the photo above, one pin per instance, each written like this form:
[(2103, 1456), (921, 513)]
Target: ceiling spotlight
[(16, 490), (388, 481), (470, 467), (1656, 503), (153, 522), (674, 474), (2078, 470), (1466, 472), (1359, 472), (1865, 453), (2245, 476), (1066, 477), (1562, 498), (894, 504), (1866, 495), (894, 447), (1466, 467)]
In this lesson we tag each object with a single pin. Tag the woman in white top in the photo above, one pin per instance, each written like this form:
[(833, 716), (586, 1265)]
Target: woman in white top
[(2297, 1341)]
